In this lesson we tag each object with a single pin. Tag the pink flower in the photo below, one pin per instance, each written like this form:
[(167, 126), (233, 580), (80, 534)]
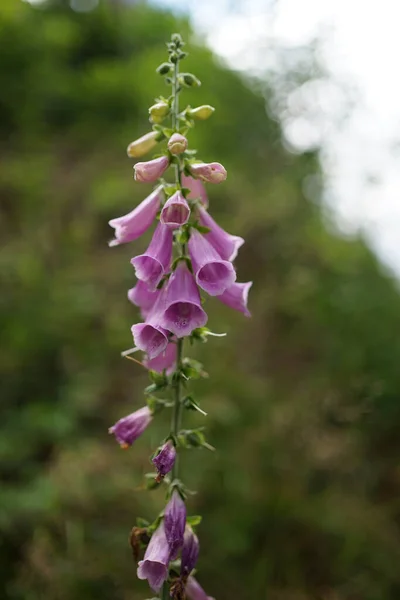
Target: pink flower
[(149, 171), (182, 307), (155, 262), (210, 172), (225, 244), (134, 224), (177, 143), (236, 296), (197, 189), (165, 459), (166, 360), (194, 591), (128, 429), (154, 566), (174, 523), (212, 273), (176, 211)]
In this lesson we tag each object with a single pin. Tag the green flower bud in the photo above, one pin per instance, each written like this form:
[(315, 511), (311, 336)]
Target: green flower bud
[(201, 113), (164, 68), (143, 144), (189, 80), (158, 112)]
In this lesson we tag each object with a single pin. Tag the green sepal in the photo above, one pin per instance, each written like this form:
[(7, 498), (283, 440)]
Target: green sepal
[(190, 404), (201, 228), (194, 520), (158, 378), (192, 369), (151, 482), (188, 80), (202, 333), (170, 189), (142, 523), (164, 69), (193, 438), (182, 235), (156, 405), (151, 528)]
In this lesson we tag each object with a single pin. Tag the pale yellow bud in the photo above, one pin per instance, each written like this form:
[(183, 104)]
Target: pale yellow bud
[(158, 112), (201, 112), (143, 145), (177, 143)]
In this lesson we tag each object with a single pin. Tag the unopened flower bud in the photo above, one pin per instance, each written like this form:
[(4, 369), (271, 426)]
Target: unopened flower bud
[(190, 551), (189, 80), (165, 459), (149, 171), (164, 68), (177, 143), (158, 112), (174, 523), (209, 172), (143, 144), (201, 113)]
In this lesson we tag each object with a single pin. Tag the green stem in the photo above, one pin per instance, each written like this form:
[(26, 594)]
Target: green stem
[(177, 411)]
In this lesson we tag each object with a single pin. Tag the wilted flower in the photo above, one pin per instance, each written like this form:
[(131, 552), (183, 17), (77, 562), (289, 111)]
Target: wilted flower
[(225, 244), (212, 273), (210, 172), (174, 523), (155, 262), (129, 428), (165, 459), (134, 224), (182, 304), (177, 143), (143, 144), (190, 551), (149, 171), (236, 296), (194, 591), (176, 211), (154, 566)]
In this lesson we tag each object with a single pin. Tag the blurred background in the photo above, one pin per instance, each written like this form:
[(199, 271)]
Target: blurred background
[(301, 499)]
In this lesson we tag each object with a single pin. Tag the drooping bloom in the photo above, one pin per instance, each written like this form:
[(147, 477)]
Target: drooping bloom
[(236, 296), (155, 262), (165, 459), (134, 224), (176, 211), (177, 143), (190, 551), (210, 172), (143, 144), (129, 428), (165, 361), (174, 523), (149, 171), (212, 273), (154, 566), (143, 297), (182, 305), (197, 189), (194, 591), (150, 336), (225, 244)]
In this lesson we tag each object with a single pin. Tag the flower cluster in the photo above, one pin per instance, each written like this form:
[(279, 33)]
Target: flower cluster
[(189, 254)]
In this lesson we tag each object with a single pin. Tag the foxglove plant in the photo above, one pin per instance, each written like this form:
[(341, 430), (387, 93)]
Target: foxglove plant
[(189, 254)]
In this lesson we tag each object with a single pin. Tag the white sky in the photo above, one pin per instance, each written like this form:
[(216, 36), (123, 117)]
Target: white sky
[(360, 47)]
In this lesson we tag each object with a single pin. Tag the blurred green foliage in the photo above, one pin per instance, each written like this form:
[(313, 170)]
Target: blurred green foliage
[(301, 499)]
